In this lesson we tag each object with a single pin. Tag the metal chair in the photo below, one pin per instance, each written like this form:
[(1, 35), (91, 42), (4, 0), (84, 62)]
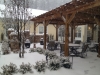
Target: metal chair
[(93, 47), (51, 45), (80, 52), (62, 46)]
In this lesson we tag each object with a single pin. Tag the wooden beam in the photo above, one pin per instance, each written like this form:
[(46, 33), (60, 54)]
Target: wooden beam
[(92, 26), (74, 28), (34, 35), (80, 8), (66, 51), (72, 34), (37, 24), (56, 32), (45, 29), (97, 19), (84, 7), (68, 19), (54, 25)]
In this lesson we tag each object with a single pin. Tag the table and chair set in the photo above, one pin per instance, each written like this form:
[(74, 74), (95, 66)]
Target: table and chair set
[(77, 48)]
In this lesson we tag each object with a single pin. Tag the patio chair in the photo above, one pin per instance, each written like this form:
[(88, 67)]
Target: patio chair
[(84, 51), (93, 47), (80, 52), (51, 45), (62, 46), (77, 41)]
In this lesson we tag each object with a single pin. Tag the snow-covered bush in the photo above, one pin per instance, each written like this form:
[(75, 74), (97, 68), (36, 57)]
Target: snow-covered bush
[(9, 69), (5, 47), (32, 50), (46, 53), (65, 62), (40, 50), (54, 64), (52, 55), (24, 68), (40, 66)]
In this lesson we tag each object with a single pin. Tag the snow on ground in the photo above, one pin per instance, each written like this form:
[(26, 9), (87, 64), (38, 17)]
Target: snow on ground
[(81, 66)]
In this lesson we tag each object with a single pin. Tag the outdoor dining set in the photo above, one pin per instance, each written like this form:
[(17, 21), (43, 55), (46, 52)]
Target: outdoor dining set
[(76, 48)]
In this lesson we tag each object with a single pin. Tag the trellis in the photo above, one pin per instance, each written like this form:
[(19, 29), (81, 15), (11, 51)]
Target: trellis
[(76, 12)]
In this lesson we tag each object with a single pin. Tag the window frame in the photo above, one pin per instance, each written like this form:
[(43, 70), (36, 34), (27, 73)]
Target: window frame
[(41, 30), (78, 32)]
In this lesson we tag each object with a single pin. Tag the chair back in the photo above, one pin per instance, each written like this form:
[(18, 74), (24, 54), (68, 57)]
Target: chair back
[(62, 46), (77, 41), (84, 48), (51, 43)]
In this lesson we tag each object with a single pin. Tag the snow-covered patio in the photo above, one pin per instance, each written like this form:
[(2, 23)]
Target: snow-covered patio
[(81, 66)]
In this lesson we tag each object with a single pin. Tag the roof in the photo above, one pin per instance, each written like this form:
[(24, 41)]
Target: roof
[(85, 13)]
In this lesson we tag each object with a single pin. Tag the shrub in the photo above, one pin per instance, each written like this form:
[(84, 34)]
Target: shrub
[(40, 66), (40, 50), (54, 64), (24, 68), (65, 62), (9, 69)]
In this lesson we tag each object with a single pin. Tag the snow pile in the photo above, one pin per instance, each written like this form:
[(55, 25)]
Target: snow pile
[(13, 33), (10, 29), (81, 66)]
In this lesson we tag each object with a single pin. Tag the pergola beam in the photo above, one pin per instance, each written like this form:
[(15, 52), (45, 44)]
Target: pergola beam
[(97, 19), (67, 21), (79, 12), (45, 29), (55, 14), (90, 5), (34, 34)]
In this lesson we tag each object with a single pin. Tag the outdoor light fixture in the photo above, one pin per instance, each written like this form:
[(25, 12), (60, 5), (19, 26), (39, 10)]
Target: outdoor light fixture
[(89, 28)]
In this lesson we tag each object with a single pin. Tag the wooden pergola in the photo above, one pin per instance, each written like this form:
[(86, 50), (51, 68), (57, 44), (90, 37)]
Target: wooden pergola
[(76, 12)]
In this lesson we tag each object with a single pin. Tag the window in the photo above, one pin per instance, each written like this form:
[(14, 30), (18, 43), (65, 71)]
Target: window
[(41, 29), (78, 32)]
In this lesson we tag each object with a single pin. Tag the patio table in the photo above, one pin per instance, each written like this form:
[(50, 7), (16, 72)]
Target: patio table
[(71, 46)]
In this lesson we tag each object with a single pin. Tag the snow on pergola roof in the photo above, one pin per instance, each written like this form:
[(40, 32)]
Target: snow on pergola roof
[(10, 29), (34, 12)]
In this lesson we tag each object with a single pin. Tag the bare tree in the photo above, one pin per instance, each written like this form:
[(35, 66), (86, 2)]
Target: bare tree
[(17, 13)]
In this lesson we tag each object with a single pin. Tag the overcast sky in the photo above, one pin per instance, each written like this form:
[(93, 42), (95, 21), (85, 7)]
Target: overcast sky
[(44, 4)]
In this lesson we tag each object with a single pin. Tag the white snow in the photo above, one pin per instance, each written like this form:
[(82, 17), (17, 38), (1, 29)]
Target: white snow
[(13, 33), (11, 29), (81, 66)]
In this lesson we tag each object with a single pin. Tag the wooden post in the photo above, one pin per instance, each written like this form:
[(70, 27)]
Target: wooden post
[(99, 46), (67, 21), (97, 19), (45, 36), (72, 34), (56, 32), (66, 39), (34, 35), (74, 31), (92, 32)]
